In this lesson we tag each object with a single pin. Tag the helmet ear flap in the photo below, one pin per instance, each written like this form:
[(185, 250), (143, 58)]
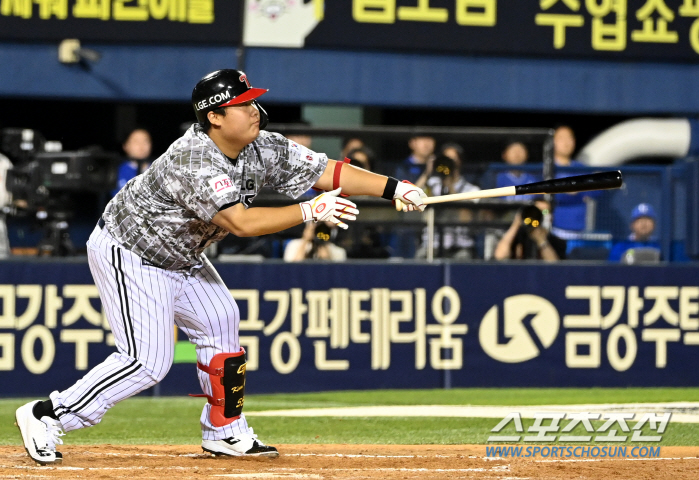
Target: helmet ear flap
[(264, 118)]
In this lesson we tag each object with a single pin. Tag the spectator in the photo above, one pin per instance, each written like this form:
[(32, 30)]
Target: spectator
[(446, 178), (137, 148), (303, 139), (369, 244), (571, 208), (515, 154), (455, 152), (528, 238), (362, 157), (349, 144), (5, 201), (458, 243), (418, 166), (643, 220), (316, 243)]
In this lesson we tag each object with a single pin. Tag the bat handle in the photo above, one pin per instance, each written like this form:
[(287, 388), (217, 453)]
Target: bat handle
[(399, 205)]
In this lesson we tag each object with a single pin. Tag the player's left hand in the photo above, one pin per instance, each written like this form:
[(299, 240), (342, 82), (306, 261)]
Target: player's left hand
[(327, 207), (409, 197)]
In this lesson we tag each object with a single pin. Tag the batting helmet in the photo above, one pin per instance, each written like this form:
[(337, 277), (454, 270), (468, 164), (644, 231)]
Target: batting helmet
[(223, 88)]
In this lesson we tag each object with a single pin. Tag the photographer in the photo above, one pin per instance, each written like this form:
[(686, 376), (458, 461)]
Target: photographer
[(315, 244), (457, 241), (528, 238), (5, 201)]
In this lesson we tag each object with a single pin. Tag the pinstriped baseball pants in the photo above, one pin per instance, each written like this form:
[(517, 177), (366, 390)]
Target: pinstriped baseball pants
[(142, 304)]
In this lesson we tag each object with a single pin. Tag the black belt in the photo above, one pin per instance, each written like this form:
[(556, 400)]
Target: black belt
[(100, 223)]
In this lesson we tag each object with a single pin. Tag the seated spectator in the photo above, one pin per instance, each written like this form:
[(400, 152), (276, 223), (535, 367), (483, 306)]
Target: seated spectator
[(316, 243), (301, 138), (642, 226), (349, 144), (457, 243), (453, 151), (5, 201), (571, 208), (446, 178), (418, 166), (529, 239), (362, 157), (515, 154), (370, 245), (137, 148)]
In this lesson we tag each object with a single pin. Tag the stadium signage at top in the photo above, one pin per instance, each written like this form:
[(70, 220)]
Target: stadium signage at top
[(609, 29), (186, 21), (606, 29)]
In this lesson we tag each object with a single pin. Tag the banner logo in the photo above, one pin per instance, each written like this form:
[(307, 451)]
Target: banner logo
[(529, 324)]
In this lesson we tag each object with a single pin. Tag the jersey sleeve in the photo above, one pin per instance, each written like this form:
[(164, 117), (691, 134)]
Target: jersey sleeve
[(293, 168), (204, 191)]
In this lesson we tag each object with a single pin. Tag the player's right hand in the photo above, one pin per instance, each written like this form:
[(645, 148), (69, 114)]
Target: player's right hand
[(409, 197), (329, 207)]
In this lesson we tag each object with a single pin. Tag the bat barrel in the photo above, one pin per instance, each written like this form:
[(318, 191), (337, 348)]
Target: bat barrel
[(578, 183)]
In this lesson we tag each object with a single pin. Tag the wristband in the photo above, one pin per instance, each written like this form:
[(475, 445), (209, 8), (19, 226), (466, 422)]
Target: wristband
[(307, 212), (390, 189)]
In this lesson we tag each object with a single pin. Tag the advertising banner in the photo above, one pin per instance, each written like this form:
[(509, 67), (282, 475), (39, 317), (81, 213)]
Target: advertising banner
[(159, 21), (605, 29), (311, 327)]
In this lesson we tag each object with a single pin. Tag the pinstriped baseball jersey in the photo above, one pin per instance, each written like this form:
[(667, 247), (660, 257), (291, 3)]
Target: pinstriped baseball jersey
[(164, 215)]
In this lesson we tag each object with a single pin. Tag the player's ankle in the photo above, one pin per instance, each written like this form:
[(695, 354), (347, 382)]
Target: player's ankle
[(44, 409)]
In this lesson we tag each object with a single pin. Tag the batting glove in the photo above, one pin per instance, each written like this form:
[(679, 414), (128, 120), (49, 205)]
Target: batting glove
[(328, 207), (409, 197)]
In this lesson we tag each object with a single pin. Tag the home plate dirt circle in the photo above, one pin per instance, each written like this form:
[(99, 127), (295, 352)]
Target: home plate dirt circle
[(385, 462)]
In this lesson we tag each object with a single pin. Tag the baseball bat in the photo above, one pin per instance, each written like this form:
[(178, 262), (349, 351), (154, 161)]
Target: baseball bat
[(575, 184)]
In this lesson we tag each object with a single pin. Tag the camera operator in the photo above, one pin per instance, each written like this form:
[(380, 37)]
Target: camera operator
[(457, 241), (5, 202), (316, 244), (529, 239)]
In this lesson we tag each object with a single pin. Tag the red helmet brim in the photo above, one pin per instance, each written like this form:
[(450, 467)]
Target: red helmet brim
[(251, 94)]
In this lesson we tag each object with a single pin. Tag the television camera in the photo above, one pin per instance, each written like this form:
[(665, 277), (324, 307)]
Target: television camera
[(52, 187)]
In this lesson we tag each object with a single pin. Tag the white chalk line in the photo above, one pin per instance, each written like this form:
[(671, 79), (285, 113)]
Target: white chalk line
[(682, 412), (497, 468), (573, 460), (276, 473), (206, 455), (269, 475)]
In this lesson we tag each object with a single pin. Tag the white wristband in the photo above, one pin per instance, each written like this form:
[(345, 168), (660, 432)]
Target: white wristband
[(306, 211)]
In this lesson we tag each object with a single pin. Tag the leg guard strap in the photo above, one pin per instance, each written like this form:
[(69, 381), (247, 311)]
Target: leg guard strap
[(227, 375)]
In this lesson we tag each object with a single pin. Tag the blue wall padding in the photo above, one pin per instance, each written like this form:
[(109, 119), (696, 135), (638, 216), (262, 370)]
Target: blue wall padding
[(168, 73)]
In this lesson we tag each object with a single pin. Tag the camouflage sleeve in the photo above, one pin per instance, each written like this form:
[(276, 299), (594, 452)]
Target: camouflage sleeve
[(204, 191), (293, 168)]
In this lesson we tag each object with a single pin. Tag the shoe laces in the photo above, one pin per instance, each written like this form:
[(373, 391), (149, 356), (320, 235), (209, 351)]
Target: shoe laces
[(54, 431), (252, 433)]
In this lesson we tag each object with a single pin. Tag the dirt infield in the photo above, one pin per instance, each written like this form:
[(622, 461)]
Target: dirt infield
[(354, 462)]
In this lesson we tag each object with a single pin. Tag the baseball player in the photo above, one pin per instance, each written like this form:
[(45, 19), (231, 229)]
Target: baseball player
[(146, 257)]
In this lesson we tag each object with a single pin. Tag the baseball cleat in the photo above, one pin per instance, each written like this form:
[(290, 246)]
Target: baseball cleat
[(244, 445), (39, 436)]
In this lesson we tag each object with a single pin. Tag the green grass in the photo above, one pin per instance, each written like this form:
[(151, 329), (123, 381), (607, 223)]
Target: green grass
[(175, 420)]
